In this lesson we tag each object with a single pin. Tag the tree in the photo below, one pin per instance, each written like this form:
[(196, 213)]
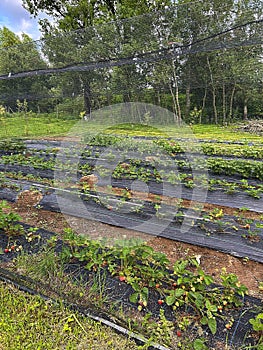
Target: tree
[(87, 45), (209, 72), (17, 55)]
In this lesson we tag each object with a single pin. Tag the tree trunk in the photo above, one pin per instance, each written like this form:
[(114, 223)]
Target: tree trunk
[(224, 103), (177, 102), (203, 106), (86, 94), (188, 101), (230, 115), (87, 98), (214, 105), (174, 103), (245, 108), (159, 98), (213, 91)]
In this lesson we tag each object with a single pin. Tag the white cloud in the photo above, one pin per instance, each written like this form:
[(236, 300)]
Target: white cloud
[(17, 19), (25, 25)]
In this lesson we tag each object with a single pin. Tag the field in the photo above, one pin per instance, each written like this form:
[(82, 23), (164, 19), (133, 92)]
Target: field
[(157, 229)]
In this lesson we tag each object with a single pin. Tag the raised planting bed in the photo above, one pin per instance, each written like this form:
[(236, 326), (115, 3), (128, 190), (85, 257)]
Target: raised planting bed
[(116, 175), (235, 234), (180, 157)]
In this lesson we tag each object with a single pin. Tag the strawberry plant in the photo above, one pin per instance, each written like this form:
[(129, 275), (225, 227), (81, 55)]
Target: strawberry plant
[(257, 323), (8, 221), (194, 289), (144, 270)]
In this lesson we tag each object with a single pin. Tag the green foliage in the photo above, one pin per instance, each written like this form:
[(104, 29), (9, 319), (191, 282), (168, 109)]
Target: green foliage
[(143, 269), (8, 221), (34, 126), (257, 323)]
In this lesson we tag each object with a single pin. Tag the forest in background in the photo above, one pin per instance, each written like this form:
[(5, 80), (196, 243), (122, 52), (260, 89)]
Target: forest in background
[(201, 60)]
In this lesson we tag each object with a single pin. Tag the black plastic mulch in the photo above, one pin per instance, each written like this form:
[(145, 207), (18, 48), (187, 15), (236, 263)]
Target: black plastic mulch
[(237, 200), (228, 237)]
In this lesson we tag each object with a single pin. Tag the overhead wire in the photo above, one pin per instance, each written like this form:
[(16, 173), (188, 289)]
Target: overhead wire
[(150, 56)]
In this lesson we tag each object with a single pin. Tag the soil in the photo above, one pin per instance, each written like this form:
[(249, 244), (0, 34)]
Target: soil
[(250, 273)]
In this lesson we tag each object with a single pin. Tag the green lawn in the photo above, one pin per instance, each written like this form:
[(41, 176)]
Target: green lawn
[(18, 126), (31, 127), (221, 133), (29, 322)]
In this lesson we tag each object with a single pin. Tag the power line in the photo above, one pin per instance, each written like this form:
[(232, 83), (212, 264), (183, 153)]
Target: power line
[(150, 56)]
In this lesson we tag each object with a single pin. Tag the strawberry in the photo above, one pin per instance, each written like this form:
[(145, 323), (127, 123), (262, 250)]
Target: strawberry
[(160, 301), (6, 250), (13, 247), (157, 285), (122, 278), (178, 333)]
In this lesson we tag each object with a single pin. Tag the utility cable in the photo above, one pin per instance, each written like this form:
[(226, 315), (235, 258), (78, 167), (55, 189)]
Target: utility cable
[(164, 53)]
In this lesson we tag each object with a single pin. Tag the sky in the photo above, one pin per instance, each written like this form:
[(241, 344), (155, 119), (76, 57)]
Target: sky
[(17, 19)]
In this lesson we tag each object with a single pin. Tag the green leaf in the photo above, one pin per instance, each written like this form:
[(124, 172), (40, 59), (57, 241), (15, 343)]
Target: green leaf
[(145, 292), (213, 308), (179, 292), (199, 345), (170, 300), (212, 325), (204, 320), (134, 298)]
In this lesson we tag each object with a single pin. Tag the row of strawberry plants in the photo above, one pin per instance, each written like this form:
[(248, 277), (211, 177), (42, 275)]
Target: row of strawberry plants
[(145, 270), (141, 171), (245, 169), (185, 289), (172, 147), (213, 222), (16, 236), (243, 151)]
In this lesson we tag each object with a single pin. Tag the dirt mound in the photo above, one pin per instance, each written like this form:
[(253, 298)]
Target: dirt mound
[(28, 198), (253, 127)]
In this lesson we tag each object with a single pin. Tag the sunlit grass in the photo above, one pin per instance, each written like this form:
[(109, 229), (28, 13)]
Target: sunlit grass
[(221, 133), (19, 127), (45, 126), (29, 322)]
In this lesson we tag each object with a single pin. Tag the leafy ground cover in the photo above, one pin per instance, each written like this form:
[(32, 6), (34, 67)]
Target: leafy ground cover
[(24, 125)]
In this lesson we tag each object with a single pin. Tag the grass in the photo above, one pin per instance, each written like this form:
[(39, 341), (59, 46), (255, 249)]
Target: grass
[(29, 322), (19, 126), (222, 133)]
